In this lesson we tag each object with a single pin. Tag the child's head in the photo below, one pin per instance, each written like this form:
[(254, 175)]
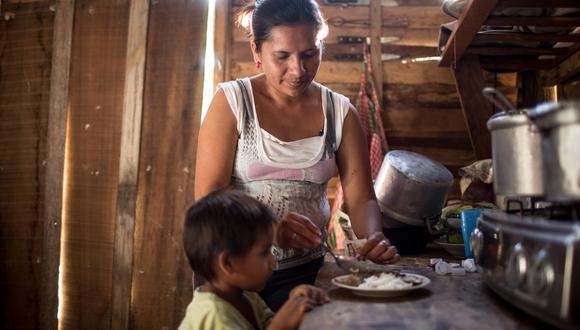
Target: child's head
[(234, 227)]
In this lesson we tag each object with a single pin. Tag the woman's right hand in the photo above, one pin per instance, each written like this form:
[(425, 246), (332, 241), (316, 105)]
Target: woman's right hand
[(297, 231)]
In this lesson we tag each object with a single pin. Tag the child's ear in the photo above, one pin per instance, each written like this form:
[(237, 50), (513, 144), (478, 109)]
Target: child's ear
[(224, 263)]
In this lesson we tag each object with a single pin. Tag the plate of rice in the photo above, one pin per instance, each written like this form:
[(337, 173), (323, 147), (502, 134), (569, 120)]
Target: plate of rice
[(384, 284)]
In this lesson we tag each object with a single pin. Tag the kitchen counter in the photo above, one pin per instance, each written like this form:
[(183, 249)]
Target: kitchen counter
[(448, 302)]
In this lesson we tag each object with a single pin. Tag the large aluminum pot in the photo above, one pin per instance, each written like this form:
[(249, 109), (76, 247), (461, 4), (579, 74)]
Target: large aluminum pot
[(516, 154), (411, 187), (560, 126)]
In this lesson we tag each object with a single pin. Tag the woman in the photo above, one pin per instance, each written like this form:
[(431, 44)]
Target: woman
[(279, 136)]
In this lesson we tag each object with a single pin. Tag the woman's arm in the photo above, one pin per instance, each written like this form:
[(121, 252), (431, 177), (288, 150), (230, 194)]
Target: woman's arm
[(216, 147), (359, 195)]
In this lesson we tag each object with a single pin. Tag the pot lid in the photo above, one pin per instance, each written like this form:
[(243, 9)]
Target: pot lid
[(549, 115), (508, 119), (418, 167)]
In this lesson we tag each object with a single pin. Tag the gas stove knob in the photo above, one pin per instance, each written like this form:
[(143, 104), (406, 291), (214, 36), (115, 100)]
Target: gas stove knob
[(476, 243), (516, 267), (541, 275)]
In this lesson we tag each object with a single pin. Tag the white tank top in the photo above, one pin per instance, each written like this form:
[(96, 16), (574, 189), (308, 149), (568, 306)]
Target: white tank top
[(286, 176)]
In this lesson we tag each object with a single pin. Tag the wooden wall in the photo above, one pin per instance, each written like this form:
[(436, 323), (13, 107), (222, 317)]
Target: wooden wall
[(421, 109), (132, 101), (25, 68)]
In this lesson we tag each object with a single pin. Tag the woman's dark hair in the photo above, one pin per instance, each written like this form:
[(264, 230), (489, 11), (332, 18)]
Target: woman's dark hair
[(260, 17), (224, 220)]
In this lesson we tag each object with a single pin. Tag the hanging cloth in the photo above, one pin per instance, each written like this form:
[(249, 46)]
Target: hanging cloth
[(369, 111)]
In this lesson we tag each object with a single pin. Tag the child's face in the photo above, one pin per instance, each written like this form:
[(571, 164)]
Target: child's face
[(254, 269)]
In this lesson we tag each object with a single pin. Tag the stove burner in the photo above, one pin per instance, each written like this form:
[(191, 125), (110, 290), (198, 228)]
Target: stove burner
[(537, 206)]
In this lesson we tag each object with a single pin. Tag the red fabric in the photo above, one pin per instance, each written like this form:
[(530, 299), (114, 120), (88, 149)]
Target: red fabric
[(369, 111)]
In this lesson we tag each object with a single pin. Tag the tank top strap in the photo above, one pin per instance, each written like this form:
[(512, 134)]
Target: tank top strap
[(330, 140), (248, 113)]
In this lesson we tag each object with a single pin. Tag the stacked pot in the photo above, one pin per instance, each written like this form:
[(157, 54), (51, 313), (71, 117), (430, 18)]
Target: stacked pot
[(536, 152)]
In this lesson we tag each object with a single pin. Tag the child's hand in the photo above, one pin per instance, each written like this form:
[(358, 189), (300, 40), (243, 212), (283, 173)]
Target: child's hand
[(290, 315), (317, 295)]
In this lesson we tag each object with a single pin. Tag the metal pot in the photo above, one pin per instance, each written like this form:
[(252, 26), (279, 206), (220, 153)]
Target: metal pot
[(516, 155), (411, 187), (560, 126)]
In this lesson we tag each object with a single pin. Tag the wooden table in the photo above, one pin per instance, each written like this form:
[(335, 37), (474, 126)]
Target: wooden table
[(448, 302)]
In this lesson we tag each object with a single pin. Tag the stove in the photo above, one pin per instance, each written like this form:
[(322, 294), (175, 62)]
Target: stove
[(531, 258)]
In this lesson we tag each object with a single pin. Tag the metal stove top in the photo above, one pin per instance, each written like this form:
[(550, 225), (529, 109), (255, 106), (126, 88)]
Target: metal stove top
[(533, 262)]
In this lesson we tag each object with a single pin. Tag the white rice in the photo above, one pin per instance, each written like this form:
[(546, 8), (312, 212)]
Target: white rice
[(385, 281)]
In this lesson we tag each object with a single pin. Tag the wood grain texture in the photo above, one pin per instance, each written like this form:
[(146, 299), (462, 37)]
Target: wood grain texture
[(469, 24), (57, 123), (129, 164), (96, 96), (476, 109), (448, 302), (26, 52), (172, 105)]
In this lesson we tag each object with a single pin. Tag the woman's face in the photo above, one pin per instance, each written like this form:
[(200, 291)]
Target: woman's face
[(290, 58), (255, 268)]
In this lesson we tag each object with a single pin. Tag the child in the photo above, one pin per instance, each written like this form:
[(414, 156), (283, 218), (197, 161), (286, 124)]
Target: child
[(227, 238)]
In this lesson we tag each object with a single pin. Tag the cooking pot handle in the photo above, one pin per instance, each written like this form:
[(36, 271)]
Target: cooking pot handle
[(430, 222), (501, 101)]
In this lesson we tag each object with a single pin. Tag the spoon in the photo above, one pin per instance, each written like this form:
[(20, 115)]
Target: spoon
[(350, 264)]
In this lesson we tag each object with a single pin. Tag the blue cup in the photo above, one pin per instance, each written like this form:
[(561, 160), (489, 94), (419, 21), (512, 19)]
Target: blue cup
[(468, 221)]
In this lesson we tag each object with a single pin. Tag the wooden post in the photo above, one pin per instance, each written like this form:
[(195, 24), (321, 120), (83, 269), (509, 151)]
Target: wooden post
[(530, 92), (222, 39), (376, 19), (476, 109), (129, 164), (56, 135)]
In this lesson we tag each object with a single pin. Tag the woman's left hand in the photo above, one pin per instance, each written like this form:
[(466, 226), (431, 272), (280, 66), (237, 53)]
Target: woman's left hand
[(378, 249)]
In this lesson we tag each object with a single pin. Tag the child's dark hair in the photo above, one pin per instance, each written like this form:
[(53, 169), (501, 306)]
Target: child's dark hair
[(260, 17), (224, 220)]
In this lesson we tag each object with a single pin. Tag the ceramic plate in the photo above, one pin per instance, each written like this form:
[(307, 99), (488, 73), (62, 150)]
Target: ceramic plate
[(338, 281), (457, 250)]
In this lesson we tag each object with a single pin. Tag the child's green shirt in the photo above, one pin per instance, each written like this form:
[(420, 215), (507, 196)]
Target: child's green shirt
[(208, 311)]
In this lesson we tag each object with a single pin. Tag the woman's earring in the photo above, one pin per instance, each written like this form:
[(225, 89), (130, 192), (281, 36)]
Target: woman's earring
[(258, 64)]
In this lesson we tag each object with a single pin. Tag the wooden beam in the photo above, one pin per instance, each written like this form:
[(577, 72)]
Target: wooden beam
[(515, 65), (376, 51), (223, 40), (533, 21), (469, 24), (129, 164), (562, 72), (476, 109), (56, 135), (530, 91), (482, 37), (538, 4), (498, 51)]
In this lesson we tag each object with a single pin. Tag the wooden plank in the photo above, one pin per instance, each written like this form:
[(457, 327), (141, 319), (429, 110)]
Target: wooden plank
[(533, 21), (57, 119), (476, 109), (129, 164), (562, 71), (538, 4), (514, 65), (172, 106), (422, 96), (98, 56), (375, 33), (486, 37), (424, 17), (499, 51), (24, 144), (469, 24), (223, 28), (415, 73), (530, 92)]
